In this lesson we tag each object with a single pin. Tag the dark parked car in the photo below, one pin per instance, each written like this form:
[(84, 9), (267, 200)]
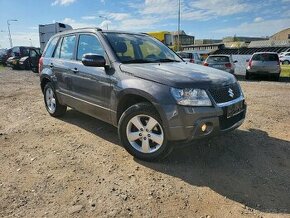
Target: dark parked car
[(139, 85), (31, 61), (18, 52), (4, 55)]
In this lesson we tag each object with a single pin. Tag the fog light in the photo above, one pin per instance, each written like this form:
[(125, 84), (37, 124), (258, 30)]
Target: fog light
[(203, 127)]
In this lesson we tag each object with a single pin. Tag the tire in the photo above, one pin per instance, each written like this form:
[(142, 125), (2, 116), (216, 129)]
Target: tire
[(286, 62), (276, 77), (142, 144), (248, 75), (34, 69), (52, 105)]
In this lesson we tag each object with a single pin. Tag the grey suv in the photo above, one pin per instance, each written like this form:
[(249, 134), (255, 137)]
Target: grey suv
[(139, 85)]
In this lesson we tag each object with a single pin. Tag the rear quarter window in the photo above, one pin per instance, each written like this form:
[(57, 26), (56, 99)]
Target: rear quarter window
[(50, 48)]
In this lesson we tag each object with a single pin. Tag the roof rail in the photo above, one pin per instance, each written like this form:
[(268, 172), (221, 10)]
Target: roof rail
[(97, 28)]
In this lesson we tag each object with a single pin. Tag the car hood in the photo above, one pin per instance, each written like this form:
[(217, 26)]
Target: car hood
[(180, 75), (11, 58)]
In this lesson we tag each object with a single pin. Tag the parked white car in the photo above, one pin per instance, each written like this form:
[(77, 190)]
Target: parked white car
[(285, 58), (189, 56)]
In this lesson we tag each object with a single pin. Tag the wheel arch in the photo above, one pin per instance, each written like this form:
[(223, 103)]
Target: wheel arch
[(133, 96), (43, 82)]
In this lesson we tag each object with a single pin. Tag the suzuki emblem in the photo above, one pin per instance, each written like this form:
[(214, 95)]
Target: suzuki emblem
[(231, 93)]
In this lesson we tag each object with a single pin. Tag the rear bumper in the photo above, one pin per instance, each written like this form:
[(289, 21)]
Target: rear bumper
[(264, 72), (187, 123)]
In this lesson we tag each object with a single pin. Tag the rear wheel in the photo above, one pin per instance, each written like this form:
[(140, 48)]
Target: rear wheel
[(53, 107), (248, 75), (142, 134), (276, 77), (286, 62)]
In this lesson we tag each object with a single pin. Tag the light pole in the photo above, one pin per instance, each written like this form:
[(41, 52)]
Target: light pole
[(1, 31), (178, 29), (106, 19), (30, 42), (8, 24)]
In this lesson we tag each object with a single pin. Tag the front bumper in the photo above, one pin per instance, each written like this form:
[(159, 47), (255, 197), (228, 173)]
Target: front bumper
[(184, 123)]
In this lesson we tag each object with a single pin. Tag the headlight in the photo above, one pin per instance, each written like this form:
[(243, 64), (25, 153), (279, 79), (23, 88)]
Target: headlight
[(191, 97)]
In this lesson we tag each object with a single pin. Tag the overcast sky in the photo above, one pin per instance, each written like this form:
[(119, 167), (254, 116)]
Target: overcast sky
[(201, 18)]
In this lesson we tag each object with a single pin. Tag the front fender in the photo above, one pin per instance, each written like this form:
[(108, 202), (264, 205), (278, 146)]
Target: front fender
[(157, 94)]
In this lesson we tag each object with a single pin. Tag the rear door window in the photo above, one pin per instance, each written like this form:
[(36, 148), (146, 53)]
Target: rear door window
[(265, 57), (24, 51), (67, 47)]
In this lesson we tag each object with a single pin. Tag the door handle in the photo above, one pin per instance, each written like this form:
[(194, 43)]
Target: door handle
[(75, 70)]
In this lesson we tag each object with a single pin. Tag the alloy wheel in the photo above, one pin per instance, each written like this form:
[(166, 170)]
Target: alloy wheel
[(145, 133)]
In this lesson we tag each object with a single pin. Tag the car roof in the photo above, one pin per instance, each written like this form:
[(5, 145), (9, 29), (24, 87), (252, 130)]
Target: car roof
[(266, 52), (219, 55)]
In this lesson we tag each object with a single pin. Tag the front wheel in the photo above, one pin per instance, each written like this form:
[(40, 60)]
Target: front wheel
[(53, 107), (142, 134)]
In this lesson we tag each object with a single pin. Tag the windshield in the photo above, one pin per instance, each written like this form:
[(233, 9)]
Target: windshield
[(213, 59), (184, 55), (265, 57), (2, 51), (133, 48)]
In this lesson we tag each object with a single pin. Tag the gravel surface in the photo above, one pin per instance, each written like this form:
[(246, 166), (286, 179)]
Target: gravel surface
[(75, 166)]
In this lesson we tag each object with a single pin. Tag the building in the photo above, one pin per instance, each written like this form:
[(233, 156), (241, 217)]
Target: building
[(243, 39), (206, 41), (183, 37), (282, 35), (204, 49)]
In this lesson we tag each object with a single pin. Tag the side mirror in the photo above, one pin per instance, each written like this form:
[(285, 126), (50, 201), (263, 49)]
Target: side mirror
[(247, 60), (235, 61), (93, 60)]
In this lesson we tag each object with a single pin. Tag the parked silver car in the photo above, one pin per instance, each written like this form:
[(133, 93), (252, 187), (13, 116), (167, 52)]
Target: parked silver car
[(221, 62), (285, 58), (264, 63), (189, 56)]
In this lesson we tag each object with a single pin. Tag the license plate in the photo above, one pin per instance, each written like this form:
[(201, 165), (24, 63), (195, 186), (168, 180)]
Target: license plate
[(217, 66), (235, 109)]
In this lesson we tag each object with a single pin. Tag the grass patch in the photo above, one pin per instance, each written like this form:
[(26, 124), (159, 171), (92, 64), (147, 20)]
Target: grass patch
[(285, 71), (1, 68)]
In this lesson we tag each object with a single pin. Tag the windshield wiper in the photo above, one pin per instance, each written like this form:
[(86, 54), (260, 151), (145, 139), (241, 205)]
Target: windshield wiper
[(137, 61), (166, 60)]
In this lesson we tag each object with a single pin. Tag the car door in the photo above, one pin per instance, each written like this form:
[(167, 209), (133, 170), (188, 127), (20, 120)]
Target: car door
[(62, 63), (34, 56), (92, 85)]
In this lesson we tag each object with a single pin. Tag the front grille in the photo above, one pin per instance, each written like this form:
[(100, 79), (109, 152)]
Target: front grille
[(221, 95), (226, 123)]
